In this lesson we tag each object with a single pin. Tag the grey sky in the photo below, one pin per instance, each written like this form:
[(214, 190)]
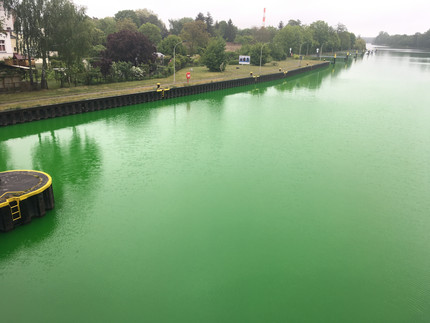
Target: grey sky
[(366, 18)]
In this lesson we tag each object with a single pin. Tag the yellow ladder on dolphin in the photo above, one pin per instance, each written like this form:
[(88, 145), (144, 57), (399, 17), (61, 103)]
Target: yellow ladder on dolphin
[(15, 211)]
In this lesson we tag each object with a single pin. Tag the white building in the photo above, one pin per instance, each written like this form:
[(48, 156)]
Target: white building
[(7, 40)]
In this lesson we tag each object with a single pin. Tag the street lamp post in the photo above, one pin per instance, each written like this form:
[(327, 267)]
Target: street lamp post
[(261, 54), (174, 61)]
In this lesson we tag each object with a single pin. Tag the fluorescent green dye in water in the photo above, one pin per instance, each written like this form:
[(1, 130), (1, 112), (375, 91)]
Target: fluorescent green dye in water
[(304, 200)]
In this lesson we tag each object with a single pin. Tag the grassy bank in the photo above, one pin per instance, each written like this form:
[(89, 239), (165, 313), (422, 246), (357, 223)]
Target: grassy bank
[(198, 75)]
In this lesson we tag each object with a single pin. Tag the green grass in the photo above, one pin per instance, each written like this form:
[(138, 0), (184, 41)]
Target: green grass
[(198, 75)]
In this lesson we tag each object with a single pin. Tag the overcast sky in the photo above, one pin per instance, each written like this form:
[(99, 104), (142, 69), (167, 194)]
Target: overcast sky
[(366, 17)]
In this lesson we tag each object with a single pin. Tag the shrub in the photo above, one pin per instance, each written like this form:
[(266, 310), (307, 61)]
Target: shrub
[(215, 57), (122, 71), (258, 50)]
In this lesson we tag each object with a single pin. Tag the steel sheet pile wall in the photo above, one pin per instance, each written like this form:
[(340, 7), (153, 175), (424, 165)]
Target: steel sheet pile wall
[(10, 117)]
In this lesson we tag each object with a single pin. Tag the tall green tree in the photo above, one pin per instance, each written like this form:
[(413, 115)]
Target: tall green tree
[(320, 33), (126, 24), (107, 25), (220, 28), (167, 44), (196, 36), (176, 26), (215, 57), (291, 36), (152, 32), (200, 17), (209, 24), (333, 43), (127, 14), (293, 22), (264, 34), (73, 31), (51, 25), (28, 25), (259, 53), (308, 39), (147, 16), (230, 31), (360, 44), (345, 40), (383, 38)]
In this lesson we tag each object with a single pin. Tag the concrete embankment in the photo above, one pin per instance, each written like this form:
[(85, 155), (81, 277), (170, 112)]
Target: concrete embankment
[(11, 117)]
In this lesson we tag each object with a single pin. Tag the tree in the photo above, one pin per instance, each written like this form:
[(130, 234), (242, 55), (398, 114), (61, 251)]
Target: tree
[(293, 22), (345, 40), (200, 17), (307, 38), (360, 44), (27, 24), (263, 34), (56, 25), (425, 40), (353, 38), (333, 42), (214, 57), (126, 24), (177, 25), (71, 31), (196, 36), (129, 46), (340, 28), (107, 25), (209, 24), (167, 44), (152, 32), (320, 32), (277, 52), (259, 52), (230, 31), (244, 40), (291, 36), (383, 38), (344, 37), (127, 14), (280, 25), (220, 28), (147, 16)]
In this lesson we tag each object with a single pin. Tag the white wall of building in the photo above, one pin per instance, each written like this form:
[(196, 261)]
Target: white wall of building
[(6, 48)]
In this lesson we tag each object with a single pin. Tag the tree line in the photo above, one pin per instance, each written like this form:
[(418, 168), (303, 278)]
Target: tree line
[(418, 40), (125, 46)]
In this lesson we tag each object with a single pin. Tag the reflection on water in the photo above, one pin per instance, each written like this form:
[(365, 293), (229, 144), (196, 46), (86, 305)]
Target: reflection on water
[(73, 161), (313, 81), (4, 157)]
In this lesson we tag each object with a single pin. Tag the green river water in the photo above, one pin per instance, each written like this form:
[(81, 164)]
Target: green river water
[(302, 200)]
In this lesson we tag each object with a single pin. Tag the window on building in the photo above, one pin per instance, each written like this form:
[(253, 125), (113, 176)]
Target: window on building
[(2, 45)]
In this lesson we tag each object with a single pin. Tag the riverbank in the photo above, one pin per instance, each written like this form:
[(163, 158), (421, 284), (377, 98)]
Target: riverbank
[(101, 100), (199, 75)]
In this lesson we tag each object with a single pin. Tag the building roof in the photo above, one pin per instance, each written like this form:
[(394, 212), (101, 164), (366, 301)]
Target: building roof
[(18, 56)]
